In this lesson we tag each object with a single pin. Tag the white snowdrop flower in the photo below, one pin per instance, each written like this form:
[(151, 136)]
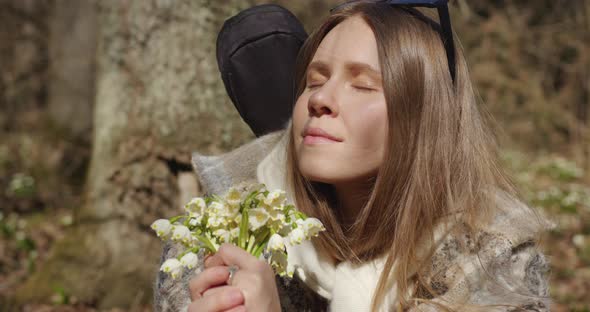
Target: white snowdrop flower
[(223, 235), (275, 198), (197, 217), (233, 197), (296, 236), (248, 187), (197, 205), (578, 240), (292, 267), (276, 243), (284, 229), (234, 233), (312, 227), (222, 210), (217, 208), (292, 215), (215, 220), (232, 211), (189, 260), (277, 226), (278, 259), (194, 221), (172, 266), (300, 222), (276, 214), (260, 197), (290, 270), (181, 234), (238, 218), (162, 227), (257, 217)]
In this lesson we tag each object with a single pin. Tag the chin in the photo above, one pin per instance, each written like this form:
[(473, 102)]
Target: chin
[(326, 172), (318, 172)]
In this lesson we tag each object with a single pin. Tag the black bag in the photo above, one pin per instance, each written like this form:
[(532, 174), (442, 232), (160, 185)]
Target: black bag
[(256, 52)]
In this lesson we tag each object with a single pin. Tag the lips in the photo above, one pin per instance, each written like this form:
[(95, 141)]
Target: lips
[(320, 133)]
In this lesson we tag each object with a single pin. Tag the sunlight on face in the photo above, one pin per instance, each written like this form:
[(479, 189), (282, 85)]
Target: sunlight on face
[(344, 97)]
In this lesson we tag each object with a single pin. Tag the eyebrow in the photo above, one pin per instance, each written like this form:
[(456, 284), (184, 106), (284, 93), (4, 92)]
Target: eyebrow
[(323, 68)]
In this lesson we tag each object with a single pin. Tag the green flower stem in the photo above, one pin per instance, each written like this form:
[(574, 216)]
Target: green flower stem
[(263, 235), (194, 250), (207, 243), (259, 249), (261, 240), (174, 219), (243, 236), (249, 199), (182, 254), (251, 241)]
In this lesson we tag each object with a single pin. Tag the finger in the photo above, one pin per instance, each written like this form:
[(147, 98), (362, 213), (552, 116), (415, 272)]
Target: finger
[(223, 301), (215, 291), (210, 277), (231, 254), (240, 308), (213, 260), (207, 257)]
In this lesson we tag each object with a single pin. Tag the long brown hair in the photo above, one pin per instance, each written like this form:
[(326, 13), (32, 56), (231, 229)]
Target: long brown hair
[(440, 158)]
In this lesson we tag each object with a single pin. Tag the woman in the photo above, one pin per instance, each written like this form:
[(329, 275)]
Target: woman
[(392, 155)]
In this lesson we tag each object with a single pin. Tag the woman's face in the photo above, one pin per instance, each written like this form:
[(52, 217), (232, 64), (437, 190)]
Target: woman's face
[(343, 97)]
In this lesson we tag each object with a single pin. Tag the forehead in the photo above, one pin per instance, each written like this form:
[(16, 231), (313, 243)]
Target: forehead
[(351, 41)]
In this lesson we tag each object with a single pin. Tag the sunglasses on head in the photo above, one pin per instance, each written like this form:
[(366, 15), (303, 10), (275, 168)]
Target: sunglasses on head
[(443, 15)]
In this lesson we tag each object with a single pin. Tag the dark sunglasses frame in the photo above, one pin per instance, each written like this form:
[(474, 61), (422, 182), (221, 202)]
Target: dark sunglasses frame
[(444, 20)]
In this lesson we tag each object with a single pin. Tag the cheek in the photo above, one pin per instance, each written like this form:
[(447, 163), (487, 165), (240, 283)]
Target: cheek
[(364, 128), (299, 117), (368, 127)]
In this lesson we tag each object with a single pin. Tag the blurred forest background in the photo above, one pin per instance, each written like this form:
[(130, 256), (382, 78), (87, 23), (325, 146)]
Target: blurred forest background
[(102, 102)]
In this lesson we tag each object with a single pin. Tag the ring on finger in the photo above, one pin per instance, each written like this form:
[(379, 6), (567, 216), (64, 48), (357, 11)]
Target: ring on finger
[(232, 271)]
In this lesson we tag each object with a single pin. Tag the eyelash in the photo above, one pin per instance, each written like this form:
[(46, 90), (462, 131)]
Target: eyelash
[(361, 89)]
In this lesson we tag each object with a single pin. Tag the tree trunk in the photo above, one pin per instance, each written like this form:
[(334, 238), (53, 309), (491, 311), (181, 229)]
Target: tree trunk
[(72, 47), (159, 97)]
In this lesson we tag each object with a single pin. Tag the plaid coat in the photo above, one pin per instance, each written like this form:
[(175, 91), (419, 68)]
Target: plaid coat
[(500, 265)]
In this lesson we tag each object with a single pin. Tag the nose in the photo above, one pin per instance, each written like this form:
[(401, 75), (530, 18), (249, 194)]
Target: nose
[(323, 101)]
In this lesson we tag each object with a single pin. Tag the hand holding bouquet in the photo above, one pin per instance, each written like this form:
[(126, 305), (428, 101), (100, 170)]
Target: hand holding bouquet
[(248, 216)]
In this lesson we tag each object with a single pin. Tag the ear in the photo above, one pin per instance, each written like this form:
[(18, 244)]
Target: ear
[(256, 53)]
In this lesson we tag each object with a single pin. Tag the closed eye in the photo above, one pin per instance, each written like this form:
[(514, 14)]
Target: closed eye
[(363, 89)]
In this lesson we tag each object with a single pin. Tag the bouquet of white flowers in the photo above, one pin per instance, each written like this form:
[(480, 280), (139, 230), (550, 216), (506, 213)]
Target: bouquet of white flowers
[(249, 216)]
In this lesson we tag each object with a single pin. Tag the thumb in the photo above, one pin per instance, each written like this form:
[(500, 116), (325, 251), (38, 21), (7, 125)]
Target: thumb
[(231, 254)]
